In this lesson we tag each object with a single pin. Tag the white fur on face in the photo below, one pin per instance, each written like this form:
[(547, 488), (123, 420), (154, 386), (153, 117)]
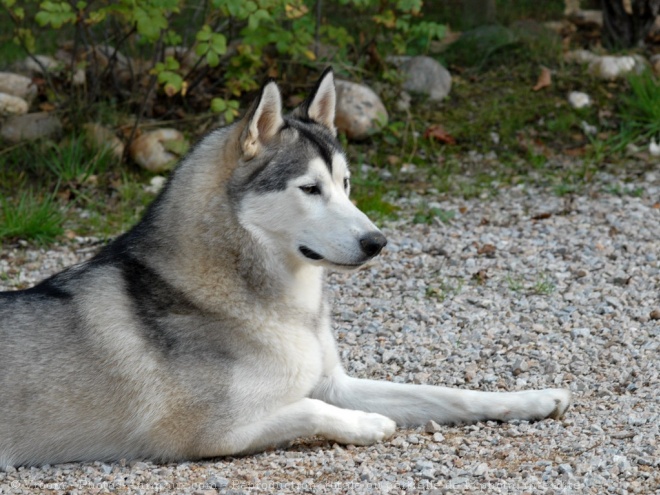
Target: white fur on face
[(327, 223)]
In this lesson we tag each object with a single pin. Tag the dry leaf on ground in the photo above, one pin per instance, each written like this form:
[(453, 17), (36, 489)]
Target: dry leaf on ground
[(544, 80), (439, 133)]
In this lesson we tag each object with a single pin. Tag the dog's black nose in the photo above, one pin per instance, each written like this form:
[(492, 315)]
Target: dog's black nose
[(373, 243)]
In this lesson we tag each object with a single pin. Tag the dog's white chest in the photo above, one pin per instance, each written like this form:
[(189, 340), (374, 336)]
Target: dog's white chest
[(286, 366)]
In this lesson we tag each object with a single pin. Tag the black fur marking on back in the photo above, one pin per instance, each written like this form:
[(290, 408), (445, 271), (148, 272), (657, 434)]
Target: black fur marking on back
[(46, 289), (155, 301)]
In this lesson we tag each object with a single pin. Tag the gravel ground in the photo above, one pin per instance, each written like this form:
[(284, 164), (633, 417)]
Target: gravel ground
[(525, 290)]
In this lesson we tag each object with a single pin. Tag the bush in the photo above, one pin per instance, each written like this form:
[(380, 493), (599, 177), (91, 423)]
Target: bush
[(192, 50)]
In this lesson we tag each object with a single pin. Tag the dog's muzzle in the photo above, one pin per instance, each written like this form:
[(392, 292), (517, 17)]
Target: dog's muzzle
[(370, 245)]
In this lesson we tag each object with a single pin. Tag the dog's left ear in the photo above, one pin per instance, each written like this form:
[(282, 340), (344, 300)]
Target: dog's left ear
[(321, 103), (264, 120)]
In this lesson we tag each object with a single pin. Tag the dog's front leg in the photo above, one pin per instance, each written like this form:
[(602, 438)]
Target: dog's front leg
[(303, 418), (416, 404)]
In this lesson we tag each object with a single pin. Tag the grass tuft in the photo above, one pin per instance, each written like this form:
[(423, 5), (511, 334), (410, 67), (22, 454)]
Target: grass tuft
[(30, 218), (75, 163), (640, 110)]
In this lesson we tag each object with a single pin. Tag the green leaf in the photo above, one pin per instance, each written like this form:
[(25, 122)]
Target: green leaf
[(201, 49), (172, 38), (212, 58), (171, 63), (218, 105), (150, 23), (55, 14), (204, 34), (255, 19), (219, 44), (411, 6)]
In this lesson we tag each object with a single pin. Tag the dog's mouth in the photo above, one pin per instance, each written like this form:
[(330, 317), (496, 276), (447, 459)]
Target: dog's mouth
[(314, 256), (308, 253)]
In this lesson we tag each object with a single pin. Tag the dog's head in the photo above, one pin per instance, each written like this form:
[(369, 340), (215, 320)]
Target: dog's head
[(291, 186)]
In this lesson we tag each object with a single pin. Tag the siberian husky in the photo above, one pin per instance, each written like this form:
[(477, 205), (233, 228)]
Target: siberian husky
[(204, 330)]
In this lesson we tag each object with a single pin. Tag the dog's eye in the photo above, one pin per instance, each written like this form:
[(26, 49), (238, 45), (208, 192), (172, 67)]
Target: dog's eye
[(346, 184), (311, 189)]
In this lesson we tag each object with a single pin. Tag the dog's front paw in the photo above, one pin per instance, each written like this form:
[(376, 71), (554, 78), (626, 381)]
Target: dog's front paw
[(360, 428), (541, 404), (561, 398)]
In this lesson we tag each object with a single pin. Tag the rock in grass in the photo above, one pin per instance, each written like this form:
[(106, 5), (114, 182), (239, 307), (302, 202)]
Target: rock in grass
[(580, 56), (31, 126), (17, 85), (424, 76), (157, 151), (578, 99), (360, 112), (611, 67), (608, 66), (12, 105), (37, 64)]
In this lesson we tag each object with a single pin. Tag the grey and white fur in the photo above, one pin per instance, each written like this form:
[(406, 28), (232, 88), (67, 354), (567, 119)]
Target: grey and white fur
[(204, 330)]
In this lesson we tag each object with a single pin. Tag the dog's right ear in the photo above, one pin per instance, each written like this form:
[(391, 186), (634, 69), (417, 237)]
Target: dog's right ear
[(320, 104), (264, 120)]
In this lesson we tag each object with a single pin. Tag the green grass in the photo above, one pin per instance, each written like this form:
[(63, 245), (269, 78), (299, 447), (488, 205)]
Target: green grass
[(73, 162), (639, 111), (47, 188), (542, 286), (118, 213), (515, 284), (30, 217)]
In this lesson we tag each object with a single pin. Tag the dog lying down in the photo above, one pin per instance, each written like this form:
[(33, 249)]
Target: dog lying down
[(204, 331)]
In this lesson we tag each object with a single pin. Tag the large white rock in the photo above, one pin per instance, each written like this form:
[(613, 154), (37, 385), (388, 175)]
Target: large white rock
[(38, 63), (426, 76), (360, 112), (12, 105), (149, 150), (30, 126), (17, 85)]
